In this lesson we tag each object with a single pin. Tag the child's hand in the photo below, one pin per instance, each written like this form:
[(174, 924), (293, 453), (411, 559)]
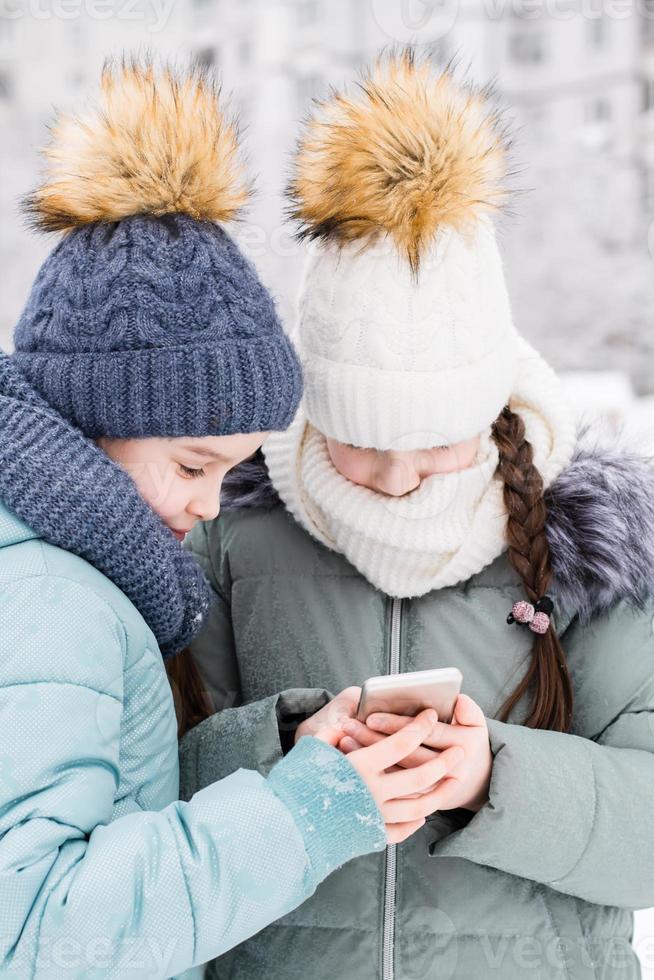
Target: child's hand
[(404, 796), (327, 724), (399, 793), (466, 785)]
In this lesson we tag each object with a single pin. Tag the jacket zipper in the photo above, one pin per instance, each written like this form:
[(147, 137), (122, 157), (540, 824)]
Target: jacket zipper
[(390, 876)]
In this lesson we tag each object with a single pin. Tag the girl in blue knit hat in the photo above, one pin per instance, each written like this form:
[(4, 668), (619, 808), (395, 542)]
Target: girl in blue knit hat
[(148, 361)]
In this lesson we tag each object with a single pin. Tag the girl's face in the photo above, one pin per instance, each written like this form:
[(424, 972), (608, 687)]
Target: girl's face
[(396, 473), (181, 478)]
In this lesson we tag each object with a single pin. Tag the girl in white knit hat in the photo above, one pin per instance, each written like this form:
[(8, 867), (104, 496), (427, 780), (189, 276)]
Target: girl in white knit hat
[(430, 507)]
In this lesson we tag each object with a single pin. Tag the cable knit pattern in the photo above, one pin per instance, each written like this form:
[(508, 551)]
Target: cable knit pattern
[(156, 326), (448, 529), (385, 355), (75, 497)]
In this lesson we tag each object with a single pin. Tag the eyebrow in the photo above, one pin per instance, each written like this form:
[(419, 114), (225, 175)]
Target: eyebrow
[(202, 451)]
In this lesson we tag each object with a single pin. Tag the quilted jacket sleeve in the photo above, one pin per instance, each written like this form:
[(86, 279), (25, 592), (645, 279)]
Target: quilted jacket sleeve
[(164, 889), (576, 812)]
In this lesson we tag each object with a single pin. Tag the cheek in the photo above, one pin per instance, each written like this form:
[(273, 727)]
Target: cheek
[(173, 502), (162, 488), (467, 452), (355, 467), (447, 461)]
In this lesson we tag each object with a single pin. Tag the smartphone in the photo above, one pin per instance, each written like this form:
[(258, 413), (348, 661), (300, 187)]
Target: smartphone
[(410, 693)]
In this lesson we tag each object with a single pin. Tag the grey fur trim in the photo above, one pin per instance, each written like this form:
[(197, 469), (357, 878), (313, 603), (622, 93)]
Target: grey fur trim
[(600, 528), (600, 524)]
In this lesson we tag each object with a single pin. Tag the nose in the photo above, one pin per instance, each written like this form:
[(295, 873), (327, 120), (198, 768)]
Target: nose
[(397, 476), (206, 509)]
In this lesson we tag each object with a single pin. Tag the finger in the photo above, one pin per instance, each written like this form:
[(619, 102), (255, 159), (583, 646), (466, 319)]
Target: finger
[(467, 712), (351, 693), (398, 832), (418, 758), (344, 705), (327, 724), (422, 778), (348, 744), (398, 811), (388, 724), (331, 736), (404, 811), (355, 746), (336, 712), (362, 733), (445, 794), (364, 736), (350, 699), (396, 747), (442, 736)]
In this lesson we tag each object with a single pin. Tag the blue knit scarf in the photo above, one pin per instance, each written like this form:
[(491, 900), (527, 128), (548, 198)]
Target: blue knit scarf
[(75, 497)]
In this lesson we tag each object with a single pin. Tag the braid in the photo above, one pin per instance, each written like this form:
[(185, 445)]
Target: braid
[(530, 556)]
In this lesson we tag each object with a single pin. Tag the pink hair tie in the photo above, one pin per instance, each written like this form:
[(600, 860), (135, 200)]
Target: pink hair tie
[(537, 617)]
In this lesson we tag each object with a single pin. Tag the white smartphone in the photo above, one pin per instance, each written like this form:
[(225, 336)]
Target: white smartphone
[(410, 693)]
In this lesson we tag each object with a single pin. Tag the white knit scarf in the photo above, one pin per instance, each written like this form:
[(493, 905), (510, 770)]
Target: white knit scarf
[(449, 528)]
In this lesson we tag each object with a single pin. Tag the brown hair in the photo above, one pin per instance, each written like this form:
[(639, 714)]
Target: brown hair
[(529, 553), (192, 704)]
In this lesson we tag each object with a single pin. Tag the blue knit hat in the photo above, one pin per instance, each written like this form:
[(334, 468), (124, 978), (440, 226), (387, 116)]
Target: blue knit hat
[(146, 319)]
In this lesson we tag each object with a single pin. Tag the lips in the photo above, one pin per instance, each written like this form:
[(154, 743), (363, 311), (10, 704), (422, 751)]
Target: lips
[(180, 535)]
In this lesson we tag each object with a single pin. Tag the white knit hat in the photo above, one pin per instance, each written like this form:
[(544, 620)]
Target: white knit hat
[(405, 328), (392, 363)]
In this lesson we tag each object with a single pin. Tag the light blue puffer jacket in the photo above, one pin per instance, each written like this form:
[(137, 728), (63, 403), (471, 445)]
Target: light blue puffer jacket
[(103, 871)]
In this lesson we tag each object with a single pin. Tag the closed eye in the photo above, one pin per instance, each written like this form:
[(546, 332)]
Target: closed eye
[(193, 474)]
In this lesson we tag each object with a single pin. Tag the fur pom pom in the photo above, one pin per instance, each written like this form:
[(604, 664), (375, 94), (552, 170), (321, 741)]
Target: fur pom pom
[(412, 149), (158, 142)]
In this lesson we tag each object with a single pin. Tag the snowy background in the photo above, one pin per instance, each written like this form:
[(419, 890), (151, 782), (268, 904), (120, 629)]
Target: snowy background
[(577, 77)]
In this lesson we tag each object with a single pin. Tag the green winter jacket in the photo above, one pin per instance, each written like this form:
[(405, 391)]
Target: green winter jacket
[(542, 881)]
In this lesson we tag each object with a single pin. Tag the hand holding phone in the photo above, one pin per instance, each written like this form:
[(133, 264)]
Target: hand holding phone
[(412, 692), (471, 783)]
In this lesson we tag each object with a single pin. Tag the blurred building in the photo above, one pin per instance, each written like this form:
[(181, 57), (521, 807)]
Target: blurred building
[(51, 54), (580, 87), (578, 82)]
